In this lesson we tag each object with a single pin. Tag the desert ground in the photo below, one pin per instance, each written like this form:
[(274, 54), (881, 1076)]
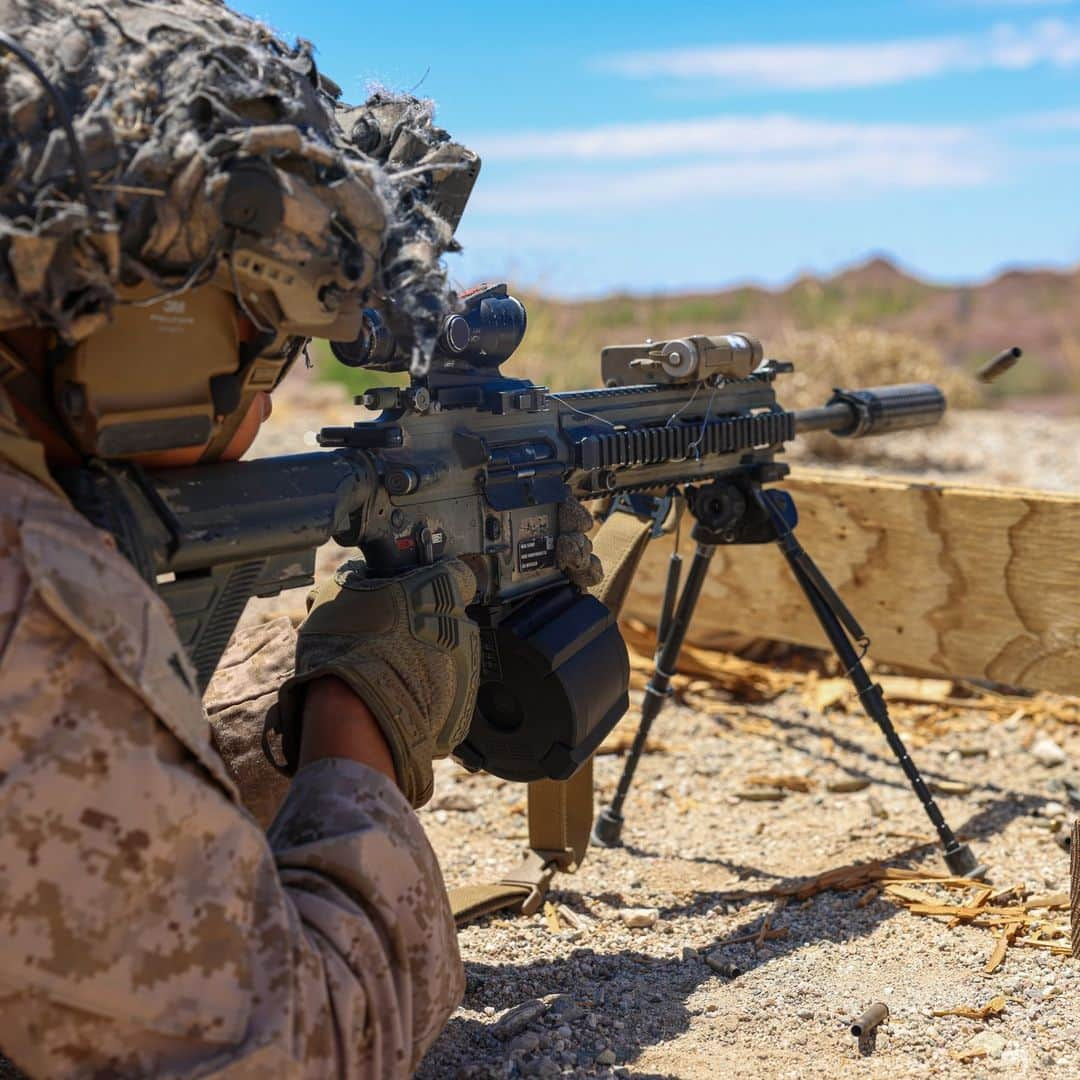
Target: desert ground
[(708, 945), (749, 791)]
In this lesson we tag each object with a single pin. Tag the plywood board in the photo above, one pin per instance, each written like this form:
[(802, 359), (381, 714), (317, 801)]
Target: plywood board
[(974, 582)]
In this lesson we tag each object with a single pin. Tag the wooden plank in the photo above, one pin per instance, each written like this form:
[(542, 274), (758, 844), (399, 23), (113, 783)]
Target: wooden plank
[(974, 582)]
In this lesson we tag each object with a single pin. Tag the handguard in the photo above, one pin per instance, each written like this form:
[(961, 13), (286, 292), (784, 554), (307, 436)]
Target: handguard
[(553, 684)]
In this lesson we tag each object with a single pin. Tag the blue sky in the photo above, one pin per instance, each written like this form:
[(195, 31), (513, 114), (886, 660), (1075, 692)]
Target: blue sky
[(672, 146)]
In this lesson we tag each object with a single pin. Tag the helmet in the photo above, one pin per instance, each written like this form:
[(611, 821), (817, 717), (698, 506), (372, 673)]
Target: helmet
[(193, 206)]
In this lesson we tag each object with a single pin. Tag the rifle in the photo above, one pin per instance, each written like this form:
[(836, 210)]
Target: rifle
[(465, 461)]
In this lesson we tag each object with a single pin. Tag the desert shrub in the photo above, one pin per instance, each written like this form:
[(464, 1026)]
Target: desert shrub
[(857, 356)]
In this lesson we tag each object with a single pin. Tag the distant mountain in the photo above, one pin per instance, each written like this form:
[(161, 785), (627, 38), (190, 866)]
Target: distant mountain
[(1036, 309)]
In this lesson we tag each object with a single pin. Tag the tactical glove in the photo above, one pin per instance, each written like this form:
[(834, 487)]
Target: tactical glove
[(574, 550), (406, 648)]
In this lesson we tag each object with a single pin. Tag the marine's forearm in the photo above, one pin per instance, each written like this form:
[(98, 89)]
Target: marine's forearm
[(337, 724)]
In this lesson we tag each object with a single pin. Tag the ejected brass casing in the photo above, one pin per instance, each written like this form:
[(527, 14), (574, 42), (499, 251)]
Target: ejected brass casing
[(869, 1021), (1001, 363)]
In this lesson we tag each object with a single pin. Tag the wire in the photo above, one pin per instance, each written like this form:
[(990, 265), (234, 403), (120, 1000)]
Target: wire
[(582, 412), (77, 159), (696, 444), (188, 283), (683, 407)]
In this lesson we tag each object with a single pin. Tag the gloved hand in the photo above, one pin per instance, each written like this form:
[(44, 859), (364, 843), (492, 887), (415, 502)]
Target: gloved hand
[(573, 549), (406, 648)]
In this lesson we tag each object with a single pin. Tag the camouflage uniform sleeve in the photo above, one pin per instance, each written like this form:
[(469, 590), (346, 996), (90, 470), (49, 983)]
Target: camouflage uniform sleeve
[(147, 926)]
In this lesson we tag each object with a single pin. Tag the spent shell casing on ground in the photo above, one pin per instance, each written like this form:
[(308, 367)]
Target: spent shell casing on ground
[(870, 1019), (994, 369)]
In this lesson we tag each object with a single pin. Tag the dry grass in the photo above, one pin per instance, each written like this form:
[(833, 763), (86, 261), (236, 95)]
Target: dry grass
[(563, 352), (871, 323)]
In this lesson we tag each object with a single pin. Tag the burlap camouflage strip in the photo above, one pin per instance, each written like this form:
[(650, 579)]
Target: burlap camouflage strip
[(168, 98)]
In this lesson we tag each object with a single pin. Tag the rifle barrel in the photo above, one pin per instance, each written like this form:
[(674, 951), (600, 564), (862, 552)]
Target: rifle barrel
[(856, 413)]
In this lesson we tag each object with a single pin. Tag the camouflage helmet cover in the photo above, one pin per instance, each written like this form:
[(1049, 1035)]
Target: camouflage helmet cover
[(216, 153)]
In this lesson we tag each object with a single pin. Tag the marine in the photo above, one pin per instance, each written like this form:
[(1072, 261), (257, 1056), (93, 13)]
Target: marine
[(184, 202)]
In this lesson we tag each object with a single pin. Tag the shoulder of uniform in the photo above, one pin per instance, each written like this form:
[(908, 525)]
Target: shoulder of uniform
[(77, 573)]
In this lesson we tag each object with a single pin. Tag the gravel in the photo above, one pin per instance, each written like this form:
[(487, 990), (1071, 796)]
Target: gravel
[(672, 1000), (599, 997)]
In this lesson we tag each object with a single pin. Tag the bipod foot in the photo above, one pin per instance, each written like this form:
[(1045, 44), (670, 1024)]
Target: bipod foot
[(607, 829), (962, 862)]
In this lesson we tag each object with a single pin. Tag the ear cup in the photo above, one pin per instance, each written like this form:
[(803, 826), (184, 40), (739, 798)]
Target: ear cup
[(146, 382)]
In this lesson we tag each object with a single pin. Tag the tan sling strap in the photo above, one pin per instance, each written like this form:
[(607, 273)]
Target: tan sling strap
[(561, 811)]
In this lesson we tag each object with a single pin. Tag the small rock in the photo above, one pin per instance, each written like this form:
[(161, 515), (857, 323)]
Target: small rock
[(606, 1057), (950, 787), (454, 800), (639, 917), (984, 1044), (543, 1067), (689, 952), (1047, 753), (515, 1020), (568, 1012), (526, 1042), (1053, 809), (847, 785)]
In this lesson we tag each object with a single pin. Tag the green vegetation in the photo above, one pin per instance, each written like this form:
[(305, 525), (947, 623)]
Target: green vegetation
[(938, 328), (815, 304), (355, 380)]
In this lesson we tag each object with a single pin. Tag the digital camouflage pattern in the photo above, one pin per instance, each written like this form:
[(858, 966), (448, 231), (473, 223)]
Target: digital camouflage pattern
[(147, 925), (170, 100), (244, 687)]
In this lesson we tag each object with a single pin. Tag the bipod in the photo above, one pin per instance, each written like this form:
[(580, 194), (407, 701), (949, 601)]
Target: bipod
[(738, 510)]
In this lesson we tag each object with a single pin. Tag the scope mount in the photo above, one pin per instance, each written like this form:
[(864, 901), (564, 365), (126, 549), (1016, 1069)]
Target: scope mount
[(473, 341)]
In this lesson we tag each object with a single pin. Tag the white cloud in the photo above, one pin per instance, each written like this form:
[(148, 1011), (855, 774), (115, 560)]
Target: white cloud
[(1053, 42), (1054, 120), (737, 136), (1014, 3), (645, 164), (839, 174)]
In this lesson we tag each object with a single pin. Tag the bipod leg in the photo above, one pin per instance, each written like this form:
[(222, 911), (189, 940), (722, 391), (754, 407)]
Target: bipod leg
[(834, 617), (609, 822)]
